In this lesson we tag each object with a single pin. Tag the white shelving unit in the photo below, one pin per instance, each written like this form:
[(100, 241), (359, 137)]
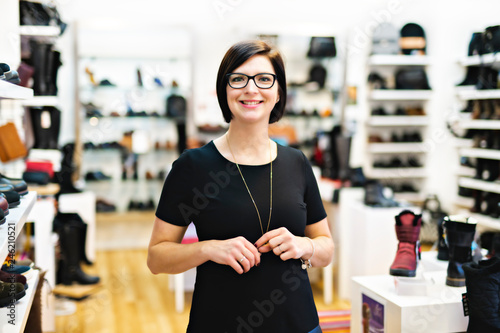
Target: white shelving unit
[(39, 30), (473, 94), (400, 95), (12, 91), (9, 232), (480, 124), (398, 60), (480, 185), (42, 101), (398, 121), (397, 173), (477, 60), (396, 147), (490, 154)]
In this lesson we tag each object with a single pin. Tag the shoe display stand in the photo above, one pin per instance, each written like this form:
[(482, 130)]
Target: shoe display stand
[(467, 176), (9, 232), (361, 251), (383, 126)]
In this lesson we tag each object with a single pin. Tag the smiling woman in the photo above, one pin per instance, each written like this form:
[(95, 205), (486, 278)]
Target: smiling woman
[(261, 226)]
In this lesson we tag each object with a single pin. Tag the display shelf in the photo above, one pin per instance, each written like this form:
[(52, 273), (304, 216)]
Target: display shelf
[(398, 60), (400, 95), (413, 197), (39, 30), (478, 184), (463, 143), (464, 202), (396, 173), (22, 308), (480, 124), (15, 221), (42, 101), (466, 171), (396, 147), (12, 91), (491, 154), (398, 120), (478, 60), (486, 221), (473, 94)]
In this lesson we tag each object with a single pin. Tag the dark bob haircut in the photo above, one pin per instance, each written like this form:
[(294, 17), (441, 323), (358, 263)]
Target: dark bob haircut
[(235, 57)]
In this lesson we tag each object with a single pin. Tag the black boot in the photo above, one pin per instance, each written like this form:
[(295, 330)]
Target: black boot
[(483, 295), (442, 247), (80, 226), (459, 231), (471, 77), (374, 195), (69, 269)]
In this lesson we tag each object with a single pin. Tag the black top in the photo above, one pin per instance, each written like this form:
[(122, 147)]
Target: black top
[(207, 189)]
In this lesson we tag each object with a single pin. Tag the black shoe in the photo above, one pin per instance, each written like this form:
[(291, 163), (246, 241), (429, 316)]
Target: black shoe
[(13, 198), (19, 185)]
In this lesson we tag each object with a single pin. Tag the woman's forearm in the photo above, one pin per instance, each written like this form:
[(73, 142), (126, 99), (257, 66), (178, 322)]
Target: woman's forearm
[(323, 251)]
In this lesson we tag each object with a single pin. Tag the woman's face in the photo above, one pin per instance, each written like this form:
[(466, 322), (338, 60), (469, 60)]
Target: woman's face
[(253, 104)]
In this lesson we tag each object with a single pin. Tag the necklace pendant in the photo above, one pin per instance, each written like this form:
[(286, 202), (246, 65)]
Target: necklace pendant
[(304, 266)]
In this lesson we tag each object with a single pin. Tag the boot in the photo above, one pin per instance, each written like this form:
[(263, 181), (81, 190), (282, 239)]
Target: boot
[(459, 231), (80, 227), (69, 269), (483, 295), (374, 195), (442, 247), (471, 76), (408, 232)]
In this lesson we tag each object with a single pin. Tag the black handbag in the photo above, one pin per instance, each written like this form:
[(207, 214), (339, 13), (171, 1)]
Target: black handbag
[(412, 78), (36, 13), (322, 47)]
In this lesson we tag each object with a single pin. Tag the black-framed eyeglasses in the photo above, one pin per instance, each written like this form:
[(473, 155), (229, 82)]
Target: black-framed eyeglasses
[(240, 80)]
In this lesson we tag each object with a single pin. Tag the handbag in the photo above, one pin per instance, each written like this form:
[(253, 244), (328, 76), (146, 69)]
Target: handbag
[(11, 146), (432, 214), (412, 78), (322, 47)]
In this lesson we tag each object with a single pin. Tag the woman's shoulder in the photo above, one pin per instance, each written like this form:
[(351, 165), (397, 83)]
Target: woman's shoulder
[(291, 153), (196, 155)]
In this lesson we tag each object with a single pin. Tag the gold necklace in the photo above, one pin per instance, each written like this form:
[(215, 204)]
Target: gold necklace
[(251, 197)]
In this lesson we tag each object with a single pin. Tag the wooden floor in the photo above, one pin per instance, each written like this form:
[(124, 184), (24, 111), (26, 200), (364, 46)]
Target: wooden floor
[(131, 299)]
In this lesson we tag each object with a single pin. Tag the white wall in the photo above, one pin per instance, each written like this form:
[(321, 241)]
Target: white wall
[(216, 24)]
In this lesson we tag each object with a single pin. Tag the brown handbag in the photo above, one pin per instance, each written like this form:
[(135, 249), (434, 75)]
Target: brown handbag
[(11, 146)]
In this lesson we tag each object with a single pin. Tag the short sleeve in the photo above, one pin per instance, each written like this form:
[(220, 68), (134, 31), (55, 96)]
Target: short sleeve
[(176, 200), (315, 209)]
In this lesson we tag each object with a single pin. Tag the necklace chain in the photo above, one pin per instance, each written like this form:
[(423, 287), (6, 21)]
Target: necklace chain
[(270, 186)]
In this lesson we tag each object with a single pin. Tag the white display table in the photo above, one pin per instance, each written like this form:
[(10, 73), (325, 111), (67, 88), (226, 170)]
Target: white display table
[(368, 241), (439, 311)]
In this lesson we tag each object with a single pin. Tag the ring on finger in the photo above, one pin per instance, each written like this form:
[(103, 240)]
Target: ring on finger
[(279, 247), (241, 260)]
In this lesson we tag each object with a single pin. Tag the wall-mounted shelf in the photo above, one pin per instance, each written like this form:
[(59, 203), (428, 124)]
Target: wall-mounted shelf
[(477, 60), (22, 308), (42, 101), (15, 221), (398, 60), (480, 124), (39, 30), (12, 91), (472, 94), (396, 173), (398, 121), (392, 148), (486, 221), (491, 154), (400, 95), (478, 184)]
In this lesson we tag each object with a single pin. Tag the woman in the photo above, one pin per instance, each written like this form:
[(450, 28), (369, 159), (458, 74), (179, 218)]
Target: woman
[(256, 207)]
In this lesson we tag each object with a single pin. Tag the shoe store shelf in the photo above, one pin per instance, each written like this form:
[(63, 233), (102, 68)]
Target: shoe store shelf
[(477, 60), (413, 197), (20, 312), (464, 202), (398, 60), (466, 171), (15, 222), (486, 221), (396, 147), (39, 30), (480, 124), (12, 91), (491, 154), (42, 101), (400, 95), (473, 94), (478, 184), (398, 121), (396, 173)]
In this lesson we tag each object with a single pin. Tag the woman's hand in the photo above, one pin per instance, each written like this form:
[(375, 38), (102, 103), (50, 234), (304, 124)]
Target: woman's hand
[(284, 244), (237, 252)]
